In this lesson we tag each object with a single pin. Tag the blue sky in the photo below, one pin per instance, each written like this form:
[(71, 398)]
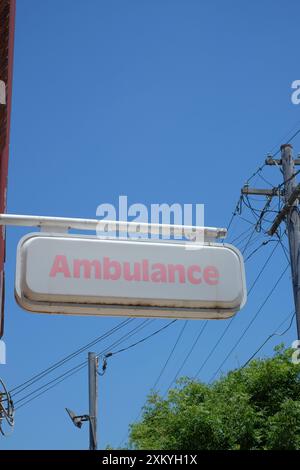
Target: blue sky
[(163, 101)]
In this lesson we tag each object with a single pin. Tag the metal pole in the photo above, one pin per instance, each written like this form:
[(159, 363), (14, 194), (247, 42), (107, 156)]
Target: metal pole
[(52, 224), (93, 398), (293, 225)]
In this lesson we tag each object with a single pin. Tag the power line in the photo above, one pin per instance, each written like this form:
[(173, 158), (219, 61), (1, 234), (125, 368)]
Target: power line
[(236, 211), (238, 206), (259, 219), (240, 243), (255, 212), (292, 138), (265, 180), (249, 240), (283, 138), (289, 179), (259, 169), (18, 389), (292, 316), (264, 243), (233, 318), (284, 249), (46, 390), (143, 339), (250, 323), (51, 384), (70, 372), (188, 354), (235, 240), (166, 363), (247, 203), (255, 226), (263, 268), (171, 354), (214, 348), (259, 214), (83, 364)]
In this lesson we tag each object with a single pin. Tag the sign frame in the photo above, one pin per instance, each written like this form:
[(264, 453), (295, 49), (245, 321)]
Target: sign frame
[(117, 309)]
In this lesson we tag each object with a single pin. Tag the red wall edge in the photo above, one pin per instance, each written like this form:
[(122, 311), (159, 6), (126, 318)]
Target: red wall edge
[(7, 29)]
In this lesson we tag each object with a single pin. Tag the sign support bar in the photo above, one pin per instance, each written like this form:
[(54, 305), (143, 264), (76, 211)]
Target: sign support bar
[(52, 223)]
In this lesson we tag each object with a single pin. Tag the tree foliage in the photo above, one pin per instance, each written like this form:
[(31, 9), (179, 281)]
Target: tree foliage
[(256, 407)]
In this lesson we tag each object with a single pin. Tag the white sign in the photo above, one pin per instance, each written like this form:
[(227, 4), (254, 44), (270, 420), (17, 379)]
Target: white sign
[(90, 276)]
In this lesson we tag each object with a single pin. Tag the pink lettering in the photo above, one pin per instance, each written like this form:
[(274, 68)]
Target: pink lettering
[(108, 266), (191, 271), (135, 271), (160, 275), (136, 275), (179, 268), (211, 275), (60, 265), (87, 268), (145, 270)]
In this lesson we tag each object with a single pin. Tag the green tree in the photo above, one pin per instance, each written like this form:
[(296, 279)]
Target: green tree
[(256, 407)]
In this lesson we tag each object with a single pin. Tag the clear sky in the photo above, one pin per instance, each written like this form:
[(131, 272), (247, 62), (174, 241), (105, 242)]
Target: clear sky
[(162, 101)]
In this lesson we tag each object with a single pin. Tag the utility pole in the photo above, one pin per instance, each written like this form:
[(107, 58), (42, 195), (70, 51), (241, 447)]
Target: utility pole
[(93, 398), (289, 213), (291, 195), (93, 401)]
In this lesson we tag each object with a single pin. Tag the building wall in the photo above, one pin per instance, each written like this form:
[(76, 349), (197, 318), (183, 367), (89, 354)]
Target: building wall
[(7, 20)]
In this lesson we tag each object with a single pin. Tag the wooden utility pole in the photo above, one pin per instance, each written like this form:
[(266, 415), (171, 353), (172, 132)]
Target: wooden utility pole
[(93, 398), (291, 195), (93, 401), (289, 213)]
